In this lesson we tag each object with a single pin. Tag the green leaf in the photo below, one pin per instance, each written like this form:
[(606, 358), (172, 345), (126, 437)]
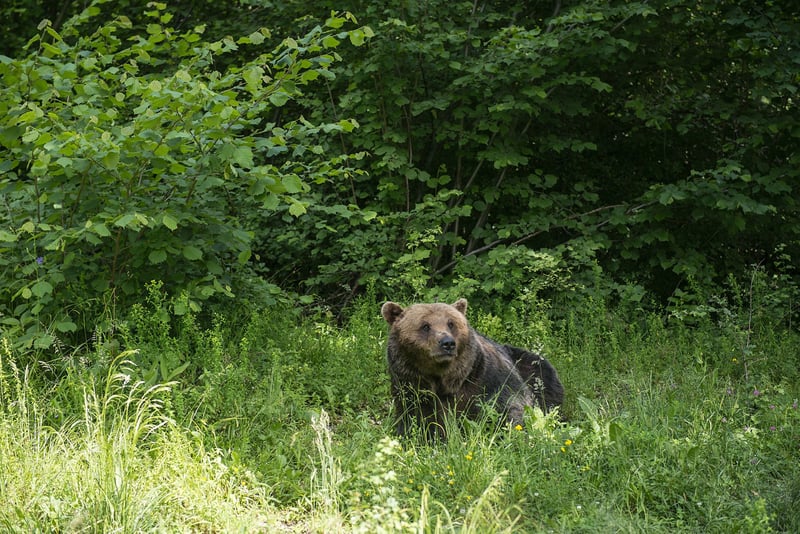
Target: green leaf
[(66, 326), (335, 22), (30, 136), (278, 99), (175, 372), (100, 229), (41, 288), (43, 341), (170, 222), (330, 42), (253, 76), (243, 156), (256, 38), (293, 184), (296, 208), (309, 76), (180, 307), (192, 253), (157, 256), (7, 237), (126, 220), (356, 37)]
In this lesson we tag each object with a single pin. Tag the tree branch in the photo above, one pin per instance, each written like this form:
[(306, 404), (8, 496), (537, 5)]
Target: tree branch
[(556, 11), (630, 211)]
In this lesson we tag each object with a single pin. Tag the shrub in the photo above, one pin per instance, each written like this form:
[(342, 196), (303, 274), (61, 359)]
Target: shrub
[(127, 156)]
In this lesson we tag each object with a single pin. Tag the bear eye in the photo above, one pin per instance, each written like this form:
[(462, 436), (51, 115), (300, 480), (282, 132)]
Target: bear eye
[(425, 327), (450, 325)]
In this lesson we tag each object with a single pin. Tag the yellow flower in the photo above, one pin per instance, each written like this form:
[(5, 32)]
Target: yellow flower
[(518, 427), (563, 449), (468, 456), (568, 442)]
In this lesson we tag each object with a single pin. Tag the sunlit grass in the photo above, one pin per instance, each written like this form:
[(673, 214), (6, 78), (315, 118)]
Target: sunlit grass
[(122, 466)]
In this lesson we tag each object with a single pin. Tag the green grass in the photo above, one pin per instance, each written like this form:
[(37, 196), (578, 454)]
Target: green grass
[(282, 424)]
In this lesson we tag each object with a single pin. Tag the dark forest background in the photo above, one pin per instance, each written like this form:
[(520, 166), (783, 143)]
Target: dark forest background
[(640, 152)]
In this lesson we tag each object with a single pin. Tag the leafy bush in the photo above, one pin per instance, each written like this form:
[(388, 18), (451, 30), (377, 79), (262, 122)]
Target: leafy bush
[(127, 156)]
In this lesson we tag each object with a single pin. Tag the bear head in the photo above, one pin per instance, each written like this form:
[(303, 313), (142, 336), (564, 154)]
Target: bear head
[(430, 336)]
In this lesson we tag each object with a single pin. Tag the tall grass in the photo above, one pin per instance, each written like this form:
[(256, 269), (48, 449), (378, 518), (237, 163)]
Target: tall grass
[(120, 466), (282, 424)]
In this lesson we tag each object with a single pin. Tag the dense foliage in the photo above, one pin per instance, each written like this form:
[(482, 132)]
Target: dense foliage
[(131, 157), (205, 202), (656, 141), (623, 148)]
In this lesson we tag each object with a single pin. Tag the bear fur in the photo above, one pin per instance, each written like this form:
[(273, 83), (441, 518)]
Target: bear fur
[(439, 363)]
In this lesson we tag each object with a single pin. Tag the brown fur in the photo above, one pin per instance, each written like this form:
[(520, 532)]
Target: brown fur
[(439, 363)]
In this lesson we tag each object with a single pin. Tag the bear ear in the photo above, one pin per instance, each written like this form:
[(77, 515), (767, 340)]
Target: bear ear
[(461, 305), (391, 311)]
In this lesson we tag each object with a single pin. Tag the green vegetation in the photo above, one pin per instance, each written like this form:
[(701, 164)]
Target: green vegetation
[(203, 205), (282, 423)]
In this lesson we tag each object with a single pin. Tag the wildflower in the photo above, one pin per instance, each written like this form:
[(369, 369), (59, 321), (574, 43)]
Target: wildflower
[(734, 360), (451, 481), (585, 468), (518, 428), (772, 428), (756, 393), (40, 260), (468, 456), (568, 442)]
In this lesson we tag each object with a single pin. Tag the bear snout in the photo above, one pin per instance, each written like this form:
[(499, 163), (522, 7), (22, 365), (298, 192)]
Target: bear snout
[(447, 344)]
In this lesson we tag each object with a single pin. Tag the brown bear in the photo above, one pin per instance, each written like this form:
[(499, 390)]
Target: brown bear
[(439, 363)]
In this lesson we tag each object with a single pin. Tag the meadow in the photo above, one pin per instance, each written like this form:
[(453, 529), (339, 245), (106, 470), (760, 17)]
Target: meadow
[(279, 421)]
